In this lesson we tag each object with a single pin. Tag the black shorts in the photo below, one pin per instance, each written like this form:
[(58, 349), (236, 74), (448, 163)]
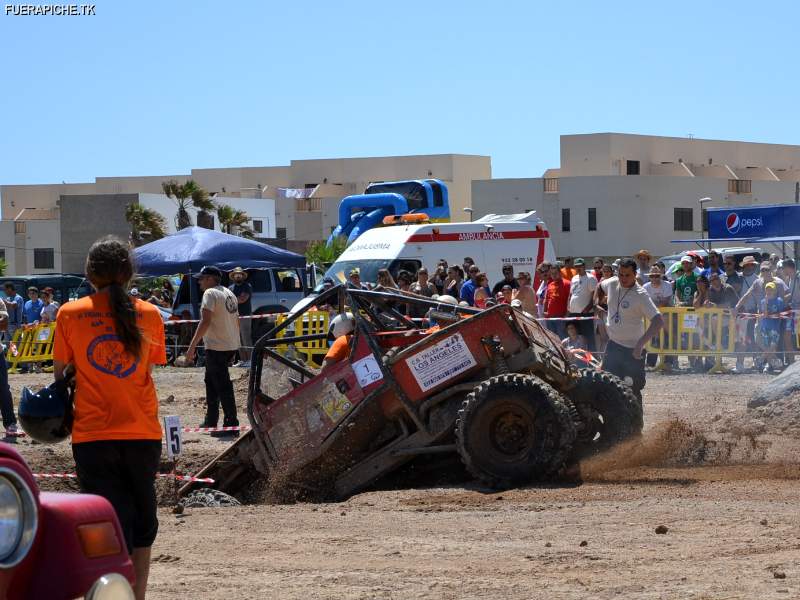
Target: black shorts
[(124, 473)]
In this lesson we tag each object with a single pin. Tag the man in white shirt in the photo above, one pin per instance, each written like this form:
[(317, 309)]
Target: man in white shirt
[(219, 330), (628, 306), (581, 301)]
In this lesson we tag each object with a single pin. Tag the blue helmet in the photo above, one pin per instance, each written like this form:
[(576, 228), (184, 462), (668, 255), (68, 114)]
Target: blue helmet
[(46, 415)]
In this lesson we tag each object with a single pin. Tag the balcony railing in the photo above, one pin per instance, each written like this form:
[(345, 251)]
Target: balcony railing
[(308, 204), (550, 185)]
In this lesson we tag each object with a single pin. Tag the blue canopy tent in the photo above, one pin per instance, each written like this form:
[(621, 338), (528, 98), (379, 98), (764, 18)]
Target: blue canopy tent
[(190, 249)]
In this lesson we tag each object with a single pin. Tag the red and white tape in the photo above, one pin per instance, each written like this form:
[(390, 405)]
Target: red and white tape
[(258, 316), (163, 475), (210, 429), (184, 429)]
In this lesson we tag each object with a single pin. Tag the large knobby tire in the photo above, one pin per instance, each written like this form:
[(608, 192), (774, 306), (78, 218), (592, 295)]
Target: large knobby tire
[(609, 411), (513, 429)]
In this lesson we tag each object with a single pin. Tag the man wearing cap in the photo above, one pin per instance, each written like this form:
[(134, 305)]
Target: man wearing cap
[(243, 292), (686, 283), (6, 401), (581, 301), (750, 302), (355, 280), (643, 258), (628, 306), (219, 330)]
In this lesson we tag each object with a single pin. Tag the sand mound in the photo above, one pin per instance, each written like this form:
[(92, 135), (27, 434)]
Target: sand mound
[(676, 443)]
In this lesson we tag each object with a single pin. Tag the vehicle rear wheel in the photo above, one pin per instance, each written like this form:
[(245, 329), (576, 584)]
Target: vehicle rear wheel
[(608, 410), (513, 429)]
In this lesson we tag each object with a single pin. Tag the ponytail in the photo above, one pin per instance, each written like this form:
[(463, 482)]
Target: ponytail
[(124, 315), (109, 264)]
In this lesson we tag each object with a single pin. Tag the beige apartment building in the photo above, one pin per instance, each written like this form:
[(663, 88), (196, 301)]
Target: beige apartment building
[(306, 195), (616, 193)]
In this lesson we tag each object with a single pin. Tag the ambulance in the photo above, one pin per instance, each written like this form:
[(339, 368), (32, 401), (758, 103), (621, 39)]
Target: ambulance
[(519, 240)]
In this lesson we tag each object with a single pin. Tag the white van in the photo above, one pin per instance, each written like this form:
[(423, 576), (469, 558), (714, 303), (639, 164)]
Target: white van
[(521, 240)]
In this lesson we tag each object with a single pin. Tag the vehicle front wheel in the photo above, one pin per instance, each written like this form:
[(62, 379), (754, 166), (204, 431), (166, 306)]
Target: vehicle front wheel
[(513, 429)]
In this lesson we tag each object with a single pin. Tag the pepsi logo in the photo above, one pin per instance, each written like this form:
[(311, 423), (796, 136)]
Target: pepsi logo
[(733, 223)]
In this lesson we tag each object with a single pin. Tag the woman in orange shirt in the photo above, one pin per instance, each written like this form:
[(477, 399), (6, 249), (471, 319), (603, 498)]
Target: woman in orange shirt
[(113, 340)]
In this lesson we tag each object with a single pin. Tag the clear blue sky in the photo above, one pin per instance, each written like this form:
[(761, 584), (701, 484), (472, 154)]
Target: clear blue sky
[(146, 88)]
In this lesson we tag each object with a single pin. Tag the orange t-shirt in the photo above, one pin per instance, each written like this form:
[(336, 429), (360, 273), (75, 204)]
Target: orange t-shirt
[(115, 397), (340, 349)]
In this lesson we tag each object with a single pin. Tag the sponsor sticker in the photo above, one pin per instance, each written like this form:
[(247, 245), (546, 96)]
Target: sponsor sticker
[(441, 362), (334, 403)]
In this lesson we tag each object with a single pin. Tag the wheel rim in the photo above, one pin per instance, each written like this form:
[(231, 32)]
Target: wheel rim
[(511, 433)]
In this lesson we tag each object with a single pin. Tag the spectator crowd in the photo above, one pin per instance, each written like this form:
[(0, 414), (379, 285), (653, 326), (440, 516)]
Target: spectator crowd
[(568, 296)]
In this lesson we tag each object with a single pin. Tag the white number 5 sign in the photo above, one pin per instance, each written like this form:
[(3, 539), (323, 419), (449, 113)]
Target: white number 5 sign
[(172, 432)]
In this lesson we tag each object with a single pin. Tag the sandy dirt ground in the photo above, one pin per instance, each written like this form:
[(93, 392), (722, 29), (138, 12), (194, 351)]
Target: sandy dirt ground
[(724, 485)]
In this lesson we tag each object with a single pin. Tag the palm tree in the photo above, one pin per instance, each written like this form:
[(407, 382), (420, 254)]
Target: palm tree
[(146, 224), (186, 195), (232, 219)]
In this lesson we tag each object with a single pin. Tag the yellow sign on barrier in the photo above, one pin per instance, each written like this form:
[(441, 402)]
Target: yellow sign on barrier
[(690, 331), (31, 345)]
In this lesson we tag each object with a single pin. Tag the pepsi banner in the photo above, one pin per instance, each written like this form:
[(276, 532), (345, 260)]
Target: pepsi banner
[(754, 221)]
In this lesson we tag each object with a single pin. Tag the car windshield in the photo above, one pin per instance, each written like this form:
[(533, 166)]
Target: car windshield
[(368, 269)]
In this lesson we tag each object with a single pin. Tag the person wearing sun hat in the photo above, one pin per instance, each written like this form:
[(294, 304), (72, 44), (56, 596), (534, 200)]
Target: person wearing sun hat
[(243, 292)]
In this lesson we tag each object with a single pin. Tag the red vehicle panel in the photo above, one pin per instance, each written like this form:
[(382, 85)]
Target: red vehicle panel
[(299, 422), (56, 566)]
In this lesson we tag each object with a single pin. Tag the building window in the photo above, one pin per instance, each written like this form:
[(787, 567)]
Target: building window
[(564, 219), (592, 219), (280, 234), (43, 258), (704, 217), (550, 185), (258, 226), (2, 254), (683, 219), (19, 227), (633, 167), (740, 186)]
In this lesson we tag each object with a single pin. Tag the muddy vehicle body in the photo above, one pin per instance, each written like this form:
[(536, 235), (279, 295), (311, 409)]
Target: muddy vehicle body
[(493, 387)]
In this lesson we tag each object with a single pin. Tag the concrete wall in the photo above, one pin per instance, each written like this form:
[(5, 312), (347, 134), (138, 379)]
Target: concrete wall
[(607, 153), (19, 247), (84, 219), (236, 179), (632, 212), (8, 246), (17, 197)]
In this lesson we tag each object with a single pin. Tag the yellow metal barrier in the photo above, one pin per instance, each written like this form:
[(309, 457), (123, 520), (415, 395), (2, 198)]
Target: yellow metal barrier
[(695, 332), (31, 345), (311, 323)]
